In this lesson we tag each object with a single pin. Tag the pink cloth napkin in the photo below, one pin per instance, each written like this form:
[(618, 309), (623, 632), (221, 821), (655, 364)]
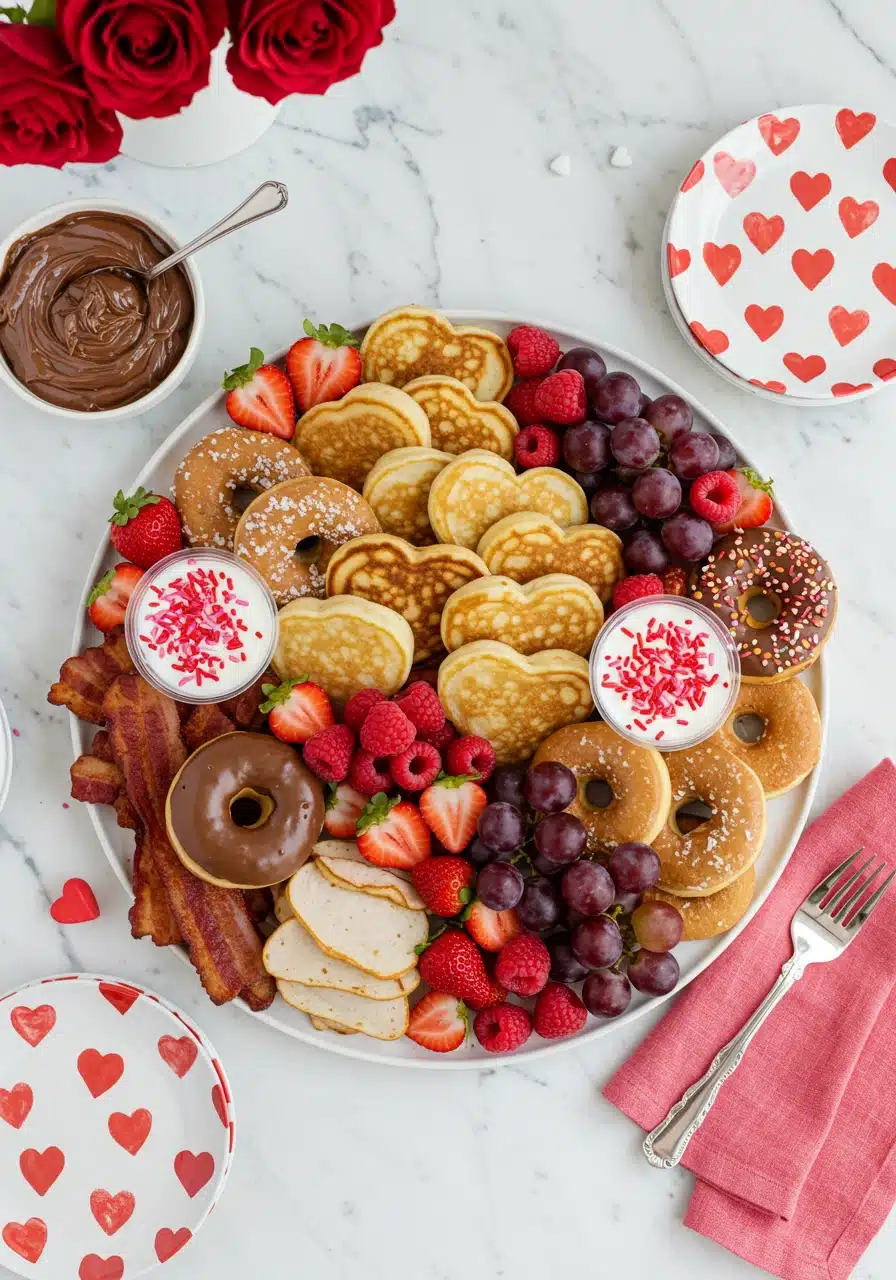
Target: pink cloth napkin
[(796, 1163)]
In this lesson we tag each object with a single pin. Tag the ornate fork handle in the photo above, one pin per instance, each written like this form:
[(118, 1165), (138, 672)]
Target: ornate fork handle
[(666, 1145)]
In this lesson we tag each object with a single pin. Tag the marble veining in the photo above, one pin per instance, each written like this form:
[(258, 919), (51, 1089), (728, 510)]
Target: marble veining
[(427, 180)]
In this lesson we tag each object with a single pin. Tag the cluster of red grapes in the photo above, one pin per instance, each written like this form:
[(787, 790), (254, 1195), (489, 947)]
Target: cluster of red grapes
[(595, 925), (636, 458)]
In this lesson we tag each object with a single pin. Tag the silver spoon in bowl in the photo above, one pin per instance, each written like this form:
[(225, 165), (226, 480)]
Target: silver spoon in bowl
[(269, 198)]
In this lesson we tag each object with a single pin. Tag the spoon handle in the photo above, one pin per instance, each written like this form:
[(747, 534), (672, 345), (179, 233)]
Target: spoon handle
[(269, 198)]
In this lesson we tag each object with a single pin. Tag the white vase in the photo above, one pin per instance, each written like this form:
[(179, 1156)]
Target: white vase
[(220, 122)]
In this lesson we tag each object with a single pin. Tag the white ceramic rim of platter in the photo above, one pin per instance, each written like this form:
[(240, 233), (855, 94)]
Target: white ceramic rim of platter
[(6, 761), (331, 1042)]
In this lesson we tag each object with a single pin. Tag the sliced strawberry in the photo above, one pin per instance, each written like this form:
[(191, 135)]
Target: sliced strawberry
[(323, 366), (344, 807), (259, 397), (296, 710), (756, 502), (438, 1022), (391, 833), (451, 807), (491, 929), (109, 598)]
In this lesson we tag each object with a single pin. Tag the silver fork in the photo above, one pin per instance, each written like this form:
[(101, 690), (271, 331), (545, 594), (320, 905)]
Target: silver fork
[(818, 934)]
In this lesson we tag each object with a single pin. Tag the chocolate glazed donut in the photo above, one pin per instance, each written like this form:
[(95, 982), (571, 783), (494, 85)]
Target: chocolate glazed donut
[(244, 812)]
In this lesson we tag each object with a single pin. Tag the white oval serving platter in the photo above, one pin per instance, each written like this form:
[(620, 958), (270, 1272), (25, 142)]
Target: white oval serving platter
[(786, 817)]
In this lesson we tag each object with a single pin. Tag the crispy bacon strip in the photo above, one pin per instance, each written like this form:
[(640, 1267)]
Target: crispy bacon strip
[(125, 812), (95, 781), (144, 732), (205, 723), (243, 710), (100, 746), (84, 680), (260, 994), (150, 916)]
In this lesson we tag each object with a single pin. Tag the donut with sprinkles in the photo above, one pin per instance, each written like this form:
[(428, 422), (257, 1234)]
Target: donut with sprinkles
[(782, 633)]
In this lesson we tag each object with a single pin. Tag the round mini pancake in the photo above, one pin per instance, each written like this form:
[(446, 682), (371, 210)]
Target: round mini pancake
[(554, 612), (397, 490), (458, 421), (343, 438), (412, 342), (714, 914), (790, 743), (530, 545)]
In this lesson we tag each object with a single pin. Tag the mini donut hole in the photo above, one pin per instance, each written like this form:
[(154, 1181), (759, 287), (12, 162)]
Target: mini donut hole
[(690, 815), (250, 809), (597, 793), (749, 728), (759, 608), (308, 549)]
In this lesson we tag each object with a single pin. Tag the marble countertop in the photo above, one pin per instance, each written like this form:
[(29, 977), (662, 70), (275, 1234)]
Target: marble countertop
[(427, 180)]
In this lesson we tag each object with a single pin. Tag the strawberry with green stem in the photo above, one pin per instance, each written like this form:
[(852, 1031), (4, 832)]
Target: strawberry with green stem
[(391, 833), (108, 600), (451, 808), (259, 397), (324, 365), (757, 500), (296, 709), (145, 527)]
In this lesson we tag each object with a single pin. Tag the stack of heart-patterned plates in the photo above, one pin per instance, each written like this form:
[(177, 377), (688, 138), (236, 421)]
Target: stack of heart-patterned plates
[(779, 255)]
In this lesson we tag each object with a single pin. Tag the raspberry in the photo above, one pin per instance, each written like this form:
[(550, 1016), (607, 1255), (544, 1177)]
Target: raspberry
[(561, 398), (387, 731), (420, 703), (558, 1012), (536, 446), (416, 768), (524, 965), (441, 739), (716, 497), (359, 705), (636, 588), (520, 400), (532, 350), (329, 753), (502, 1029), (675, 582), (369, 774), (470, 755)]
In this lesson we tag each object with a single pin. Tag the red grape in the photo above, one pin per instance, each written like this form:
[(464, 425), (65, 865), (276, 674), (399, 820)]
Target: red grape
[(657, 493), (644, 553), (654, 972), (687, 536), (586, 446), (589, 363), (634, 867), (588, 888), (606, 993), (541, 906), (499, 886), (480, 853), (670, 415), (597, 943), (727, 457), (635, 443), (612, 507), (692, 454), (615, 397), (657, 925), (560, 837), (501, 827), (564, 966), (550, 786), (589, 480), (508, 783), (644, 402)]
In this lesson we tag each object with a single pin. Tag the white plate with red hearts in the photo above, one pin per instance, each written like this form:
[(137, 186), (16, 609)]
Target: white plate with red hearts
[(116, 1129), (780, 253)]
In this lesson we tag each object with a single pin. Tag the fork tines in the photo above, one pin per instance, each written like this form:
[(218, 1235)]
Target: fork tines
[(837, 899)]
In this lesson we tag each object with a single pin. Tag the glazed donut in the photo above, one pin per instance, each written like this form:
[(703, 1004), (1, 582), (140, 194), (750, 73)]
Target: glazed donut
[(290, 531), (790, 744), (715, 853), (222, 462), (798, 591), (716, 913), (244, 812), (637, 777)]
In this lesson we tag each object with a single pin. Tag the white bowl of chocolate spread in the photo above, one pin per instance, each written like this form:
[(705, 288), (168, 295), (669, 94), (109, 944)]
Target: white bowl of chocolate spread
[(81, 335)]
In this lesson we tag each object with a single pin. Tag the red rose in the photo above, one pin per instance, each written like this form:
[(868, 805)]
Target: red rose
[(142, 57), (301, 46), (46, 114)]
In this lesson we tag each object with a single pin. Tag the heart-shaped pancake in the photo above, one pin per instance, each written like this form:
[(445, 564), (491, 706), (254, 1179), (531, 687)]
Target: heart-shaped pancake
[(557, 611), (478, 489), (528, 545), (397, 489), (412, 342), (414, 581), (491, 691), (458, 421), (343, 644), (343, 438)]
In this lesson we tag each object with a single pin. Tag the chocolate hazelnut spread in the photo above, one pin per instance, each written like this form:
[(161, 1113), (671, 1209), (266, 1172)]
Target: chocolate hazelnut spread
[(78, 326)]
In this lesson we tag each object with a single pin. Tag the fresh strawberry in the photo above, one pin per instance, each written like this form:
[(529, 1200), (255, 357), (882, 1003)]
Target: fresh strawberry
[(296, 709), (444, 884), (451, 807), (386, 730), (420, 703), (391, 833), (558, 1012), (108, 600), (675, 582), (532, 350), (369, 774), (438, 1022), (417, 768), (344, 807), (452, 963), (491, 929), (358, 706), (260, 397), (471, 755), (145, 527), (756, 501), (561, 398), (502, 1029), (495, 995), (536, 446), (520, 400), (636, 588), (328, 753), (324, 365), (715, 497), (524, 965)]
